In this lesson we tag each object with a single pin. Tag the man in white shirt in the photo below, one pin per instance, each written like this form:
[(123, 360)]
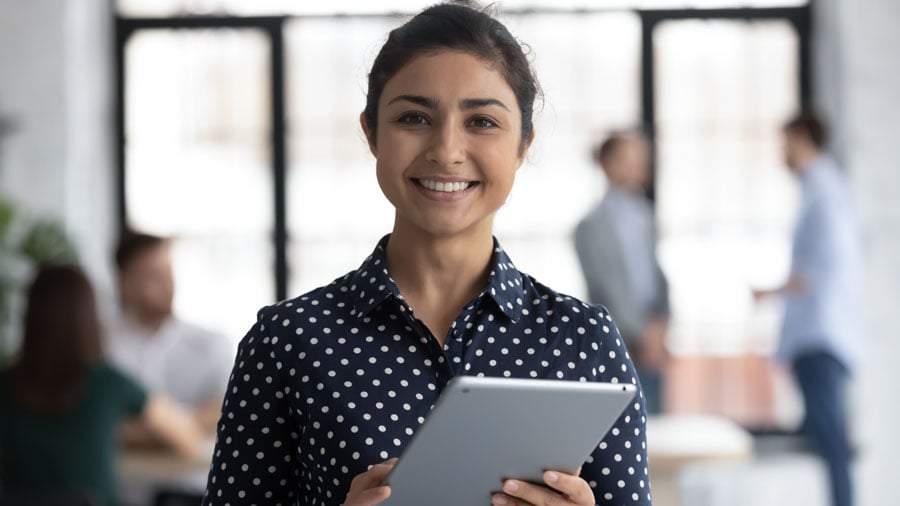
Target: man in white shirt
[(616, 246), (165, 354)]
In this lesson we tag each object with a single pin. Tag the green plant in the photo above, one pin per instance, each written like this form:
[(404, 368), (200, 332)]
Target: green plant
[(25, 244)]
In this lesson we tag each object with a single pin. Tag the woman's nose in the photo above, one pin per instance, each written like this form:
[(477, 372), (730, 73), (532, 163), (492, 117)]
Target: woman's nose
[(448, 146)]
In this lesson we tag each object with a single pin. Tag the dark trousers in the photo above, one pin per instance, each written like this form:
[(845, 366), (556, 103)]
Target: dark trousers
[(822, 379)]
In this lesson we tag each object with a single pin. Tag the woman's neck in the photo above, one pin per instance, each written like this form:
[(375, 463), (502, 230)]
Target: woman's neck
[(438, 275)]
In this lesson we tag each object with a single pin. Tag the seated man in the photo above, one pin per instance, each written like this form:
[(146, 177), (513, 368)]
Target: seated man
[(163, 353)]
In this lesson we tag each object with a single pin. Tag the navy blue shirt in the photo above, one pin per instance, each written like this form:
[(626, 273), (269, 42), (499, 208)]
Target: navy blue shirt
[(329, 383)]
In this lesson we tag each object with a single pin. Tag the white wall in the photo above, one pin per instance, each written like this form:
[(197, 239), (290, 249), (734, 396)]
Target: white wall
[(858, 74), (56, 68)]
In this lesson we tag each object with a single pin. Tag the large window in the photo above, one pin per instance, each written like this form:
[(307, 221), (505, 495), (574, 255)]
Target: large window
[(241, 138), (196, 170)]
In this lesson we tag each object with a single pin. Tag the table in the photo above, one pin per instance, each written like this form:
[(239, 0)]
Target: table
[(144, 473), (675, 442)]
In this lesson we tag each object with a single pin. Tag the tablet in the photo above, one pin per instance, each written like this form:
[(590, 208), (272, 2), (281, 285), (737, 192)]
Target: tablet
[(483, 430)]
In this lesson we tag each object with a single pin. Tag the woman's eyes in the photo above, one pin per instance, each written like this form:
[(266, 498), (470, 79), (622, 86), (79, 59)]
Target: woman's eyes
[(416, 119), (412, 119), (483, 122)]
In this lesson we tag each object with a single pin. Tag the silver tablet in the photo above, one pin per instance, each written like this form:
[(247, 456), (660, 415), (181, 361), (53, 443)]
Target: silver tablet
[(483, 430)]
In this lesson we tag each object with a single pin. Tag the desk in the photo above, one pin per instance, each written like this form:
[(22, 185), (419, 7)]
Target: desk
[(675, 442), (143, 473)]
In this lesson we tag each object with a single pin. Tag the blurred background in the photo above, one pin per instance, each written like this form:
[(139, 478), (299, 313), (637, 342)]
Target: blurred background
[(232, 127)]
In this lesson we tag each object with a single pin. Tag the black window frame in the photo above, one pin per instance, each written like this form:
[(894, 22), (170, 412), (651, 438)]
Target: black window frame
[(798, 17), (273, 27)]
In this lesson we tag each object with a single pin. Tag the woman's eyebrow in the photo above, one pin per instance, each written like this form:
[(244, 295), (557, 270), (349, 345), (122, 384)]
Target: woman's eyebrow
[(430, 103), (475, 103), (465, 104)]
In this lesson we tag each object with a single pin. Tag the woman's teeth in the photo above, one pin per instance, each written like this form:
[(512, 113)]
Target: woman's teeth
[(441, 186)]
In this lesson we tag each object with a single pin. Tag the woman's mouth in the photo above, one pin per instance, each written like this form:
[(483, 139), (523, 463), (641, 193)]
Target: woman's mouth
[(445, 186)]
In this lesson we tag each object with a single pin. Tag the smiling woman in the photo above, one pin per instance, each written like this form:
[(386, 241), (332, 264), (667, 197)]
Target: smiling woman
[(329, 386), (448, 148)]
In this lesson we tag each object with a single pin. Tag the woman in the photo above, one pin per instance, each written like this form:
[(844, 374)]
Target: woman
[(61, 405), (331, 383)]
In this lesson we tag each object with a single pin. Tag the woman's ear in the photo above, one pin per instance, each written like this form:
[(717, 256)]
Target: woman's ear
[(369, 134), (523, 149)]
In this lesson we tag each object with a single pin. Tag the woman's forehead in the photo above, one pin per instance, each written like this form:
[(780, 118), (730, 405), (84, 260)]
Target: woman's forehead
[(450, 74)]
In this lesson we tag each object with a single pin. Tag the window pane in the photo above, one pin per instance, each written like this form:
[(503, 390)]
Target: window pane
[(336, 211), (589, 69), (198, 166), (725, 201)]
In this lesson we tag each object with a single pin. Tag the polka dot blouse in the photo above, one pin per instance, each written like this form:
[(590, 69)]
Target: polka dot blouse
[(339, 379)]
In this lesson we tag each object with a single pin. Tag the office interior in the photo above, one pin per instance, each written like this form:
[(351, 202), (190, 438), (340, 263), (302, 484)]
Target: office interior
[(232, 126)]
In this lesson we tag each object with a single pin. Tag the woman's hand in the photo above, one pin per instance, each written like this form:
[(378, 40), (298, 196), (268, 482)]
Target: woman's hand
[(366, 489), (564, 490)]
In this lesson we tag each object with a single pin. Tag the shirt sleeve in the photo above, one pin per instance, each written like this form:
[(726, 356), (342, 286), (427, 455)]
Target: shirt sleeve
[(596, 257), (132, 396), (810, 247), (256, 458), (221, 360), (584, 240), (617, 470)]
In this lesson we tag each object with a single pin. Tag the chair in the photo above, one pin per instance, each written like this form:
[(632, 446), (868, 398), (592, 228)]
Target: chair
[(175, 498)]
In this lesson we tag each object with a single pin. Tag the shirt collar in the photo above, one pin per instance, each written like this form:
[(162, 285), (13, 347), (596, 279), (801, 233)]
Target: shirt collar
[(129, 325), (504, 285), (816, 171), (372, 284)]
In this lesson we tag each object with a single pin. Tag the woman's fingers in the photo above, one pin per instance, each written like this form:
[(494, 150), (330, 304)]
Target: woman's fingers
[(565, 490), (371, 496), (375, 475), (383, 468), (570, 485), (366, 489)]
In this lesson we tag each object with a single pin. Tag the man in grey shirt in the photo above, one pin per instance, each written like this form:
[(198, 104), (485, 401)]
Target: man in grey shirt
[(616, 246)]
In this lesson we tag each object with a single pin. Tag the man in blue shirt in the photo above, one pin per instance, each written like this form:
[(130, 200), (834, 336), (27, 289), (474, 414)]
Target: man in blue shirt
[(821, 333)]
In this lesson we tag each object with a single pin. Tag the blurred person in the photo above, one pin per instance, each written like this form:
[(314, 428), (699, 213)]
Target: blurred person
[(616, 246), (61, 404), (821, 332), (163, 352)]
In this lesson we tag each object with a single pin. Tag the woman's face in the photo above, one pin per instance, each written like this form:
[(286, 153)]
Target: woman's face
[(448, 144)]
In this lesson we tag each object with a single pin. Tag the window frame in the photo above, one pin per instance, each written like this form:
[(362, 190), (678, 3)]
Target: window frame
[(798, 17), (273, 27)]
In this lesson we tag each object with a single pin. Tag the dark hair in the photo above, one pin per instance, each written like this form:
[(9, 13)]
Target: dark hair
[(60, 342), (461, 28), (133, 244), (809, 124), (603, 152)]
